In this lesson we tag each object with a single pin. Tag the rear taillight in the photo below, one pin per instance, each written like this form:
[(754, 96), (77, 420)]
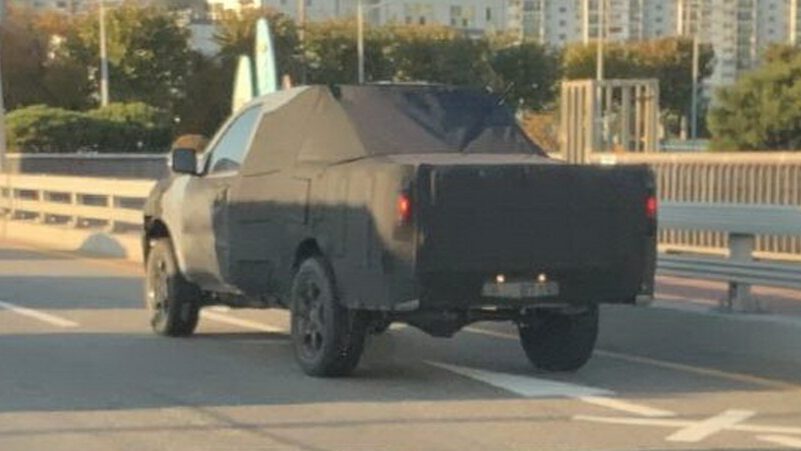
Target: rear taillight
[(404, 209), (651, 207), (651, 212)]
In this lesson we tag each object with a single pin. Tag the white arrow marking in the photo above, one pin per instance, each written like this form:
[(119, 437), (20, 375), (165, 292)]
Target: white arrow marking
[(625, 406), (41, 316), (711, 426), (222, 318), (531, 387), (684, 424), (789, 442)]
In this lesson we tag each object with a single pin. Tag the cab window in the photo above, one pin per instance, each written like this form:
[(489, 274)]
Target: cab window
[(230, 150)]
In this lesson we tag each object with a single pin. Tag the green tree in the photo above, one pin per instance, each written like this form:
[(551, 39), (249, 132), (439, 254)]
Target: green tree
[(579, 61), (23, 53), (207, 99), (669, 60), (149, 56), (235, 34), (439, 54), (527, 75), (762, 111)]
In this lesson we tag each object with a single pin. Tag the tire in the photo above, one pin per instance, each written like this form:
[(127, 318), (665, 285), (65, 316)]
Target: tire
[(556, 341), (173, 302), (328, 338), (379, 327)]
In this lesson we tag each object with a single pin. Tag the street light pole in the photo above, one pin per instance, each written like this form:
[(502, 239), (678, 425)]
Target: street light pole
[(696, 70), (2, 103), (360, 38), (104, 97), (600, 50), (302, 36), (600, 144)]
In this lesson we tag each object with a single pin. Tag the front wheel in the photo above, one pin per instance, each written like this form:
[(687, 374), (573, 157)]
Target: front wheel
[(558, 341), (328, 338), (173, 302)]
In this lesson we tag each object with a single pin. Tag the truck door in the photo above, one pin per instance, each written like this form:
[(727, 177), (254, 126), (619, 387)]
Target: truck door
[(205, 240)]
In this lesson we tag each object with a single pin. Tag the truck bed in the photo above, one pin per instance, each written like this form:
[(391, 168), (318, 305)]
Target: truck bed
[(583, 227)]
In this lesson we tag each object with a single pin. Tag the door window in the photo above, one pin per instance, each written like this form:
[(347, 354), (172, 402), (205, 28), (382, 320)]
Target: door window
[(230, 150)]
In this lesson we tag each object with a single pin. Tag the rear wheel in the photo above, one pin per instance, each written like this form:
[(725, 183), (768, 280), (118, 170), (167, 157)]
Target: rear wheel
[(173, 302), (328, 338), (558, 341)]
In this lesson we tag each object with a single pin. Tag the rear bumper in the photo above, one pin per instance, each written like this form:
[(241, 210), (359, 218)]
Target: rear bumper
[(591, 286)]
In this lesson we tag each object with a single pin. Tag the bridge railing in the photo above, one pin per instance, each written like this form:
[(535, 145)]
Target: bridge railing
[(761, 178), (80, 202)]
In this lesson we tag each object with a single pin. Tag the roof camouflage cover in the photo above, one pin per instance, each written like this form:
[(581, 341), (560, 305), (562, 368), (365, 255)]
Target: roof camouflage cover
[(342, 123)]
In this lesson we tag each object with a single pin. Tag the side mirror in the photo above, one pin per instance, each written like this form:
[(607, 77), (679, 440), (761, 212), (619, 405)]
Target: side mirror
[(184, 161)]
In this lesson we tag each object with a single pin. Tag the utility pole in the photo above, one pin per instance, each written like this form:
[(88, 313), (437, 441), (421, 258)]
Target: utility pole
[(302, 37), (601, 35), (600, 133), (104, 97), (2, 103), (360, 38), (696, 74)]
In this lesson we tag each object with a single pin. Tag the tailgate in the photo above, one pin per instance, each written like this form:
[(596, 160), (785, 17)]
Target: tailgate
[(583, 225)]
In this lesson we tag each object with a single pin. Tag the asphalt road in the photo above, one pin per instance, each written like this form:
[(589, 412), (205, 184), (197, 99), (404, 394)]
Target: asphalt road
[(80, 370)]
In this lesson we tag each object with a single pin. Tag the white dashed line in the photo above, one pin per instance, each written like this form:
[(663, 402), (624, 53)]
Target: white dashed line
[(690, 369), (790, 442), (531, 387), (711, 426), (41, 316), (227, 319)]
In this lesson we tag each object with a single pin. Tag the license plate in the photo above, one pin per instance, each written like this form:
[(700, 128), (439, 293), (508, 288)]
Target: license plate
[(520, 290)]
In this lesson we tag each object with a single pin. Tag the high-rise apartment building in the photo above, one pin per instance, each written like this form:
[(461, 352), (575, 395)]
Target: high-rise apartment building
[(739, 30), (559, 22), (62, 6)]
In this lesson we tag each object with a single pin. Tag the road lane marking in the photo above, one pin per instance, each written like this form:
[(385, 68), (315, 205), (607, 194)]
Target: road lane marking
[(660, 422), (227, 319), (702, 371), (625, 406), (53, 320), (790, 442), (526, 386), (780, 430), (731, 421), (711, 426), (692, 369), (532, 387)]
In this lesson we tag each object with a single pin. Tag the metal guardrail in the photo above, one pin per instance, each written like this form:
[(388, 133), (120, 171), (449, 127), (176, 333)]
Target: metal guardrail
[(753, 178), (742, 224), (111, 204)]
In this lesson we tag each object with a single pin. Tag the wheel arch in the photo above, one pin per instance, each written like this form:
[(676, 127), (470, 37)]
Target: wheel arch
[(155, 229), (307, 248)]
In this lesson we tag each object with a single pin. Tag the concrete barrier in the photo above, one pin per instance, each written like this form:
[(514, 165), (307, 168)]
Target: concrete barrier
[(102, 217)]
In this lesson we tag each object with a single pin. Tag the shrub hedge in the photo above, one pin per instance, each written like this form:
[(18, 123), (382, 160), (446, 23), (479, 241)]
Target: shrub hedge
[(121, 127)]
